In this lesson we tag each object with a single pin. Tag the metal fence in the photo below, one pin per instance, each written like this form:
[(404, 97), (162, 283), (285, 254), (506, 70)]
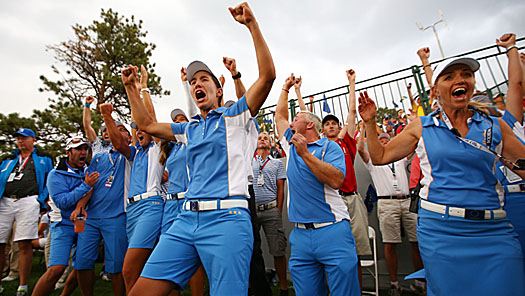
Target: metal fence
[(390, 90)]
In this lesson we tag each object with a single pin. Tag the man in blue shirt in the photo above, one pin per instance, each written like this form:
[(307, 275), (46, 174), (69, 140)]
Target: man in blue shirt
[(214, 226), (23, 193), (316, 169), (106, 217), (67, 184)]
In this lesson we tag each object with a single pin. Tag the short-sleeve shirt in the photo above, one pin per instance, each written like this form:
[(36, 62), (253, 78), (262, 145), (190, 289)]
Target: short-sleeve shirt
[(110, 192), (349, 147), (178, 172), (216, 152), (146, 171), (310, 200), (272, 170), (504, 174), (385, 176)]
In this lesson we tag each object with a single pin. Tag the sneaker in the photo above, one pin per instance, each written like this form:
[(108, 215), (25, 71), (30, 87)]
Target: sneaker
[(106, 276), (21, 292), (394, 291), (418, 290), (9, 278)]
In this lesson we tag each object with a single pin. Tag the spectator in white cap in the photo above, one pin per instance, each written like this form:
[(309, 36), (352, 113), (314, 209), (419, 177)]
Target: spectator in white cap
[(23, 193)]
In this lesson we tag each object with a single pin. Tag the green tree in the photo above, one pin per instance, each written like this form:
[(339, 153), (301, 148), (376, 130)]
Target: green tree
[(90, 64)]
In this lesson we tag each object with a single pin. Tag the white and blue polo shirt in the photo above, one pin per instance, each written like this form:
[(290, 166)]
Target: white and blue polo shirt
[(455, 173), (146, 171), (178, 171), (109, 201), (216, 150), (310, 200)]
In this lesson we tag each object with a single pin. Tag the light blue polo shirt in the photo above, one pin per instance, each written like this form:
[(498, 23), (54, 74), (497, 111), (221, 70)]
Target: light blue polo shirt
[(216, 152), (146, 171), (109, 202), (310, 200), (176, 165), (454, 172)]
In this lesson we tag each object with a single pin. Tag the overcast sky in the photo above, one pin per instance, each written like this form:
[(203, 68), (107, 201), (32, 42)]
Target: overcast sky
[(316, 39)]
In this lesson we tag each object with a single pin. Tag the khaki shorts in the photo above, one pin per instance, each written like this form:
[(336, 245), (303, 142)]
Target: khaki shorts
[(358, 222), (272, 222), (25, 211), (392, 214)]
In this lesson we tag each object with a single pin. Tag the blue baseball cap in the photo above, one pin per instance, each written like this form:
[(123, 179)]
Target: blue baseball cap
[(24, 132)]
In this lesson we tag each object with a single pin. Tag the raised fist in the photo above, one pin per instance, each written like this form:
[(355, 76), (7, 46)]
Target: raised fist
[(298, 82), (222, 80), (230, 64), (242, 13), (289, 82), (106, 108), (90, 99), (350, 74), (506, 40), (183, 74), (130, 75), (424, 53)]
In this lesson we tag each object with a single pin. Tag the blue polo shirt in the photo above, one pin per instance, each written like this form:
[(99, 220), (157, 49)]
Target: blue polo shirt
[(109, 202), (216, 150), (176, 165), (146, 171), (454, 172), (310, 200)]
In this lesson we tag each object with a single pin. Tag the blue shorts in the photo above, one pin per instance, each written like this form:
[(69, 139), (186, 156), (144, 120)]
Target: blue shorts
[(63, 240), (328, 250), (143, 223), (172, 209), (222, 240), (112, 230), (469, 257)]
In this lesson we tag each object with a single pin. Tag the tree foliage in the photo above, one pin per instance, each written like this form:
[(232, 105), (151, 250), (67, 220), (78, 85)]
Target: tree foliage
[(88, 64)]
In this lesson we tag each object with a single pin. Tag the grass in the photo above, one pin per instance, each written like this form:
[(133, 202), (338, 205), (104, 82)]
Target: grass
[(102, 288)]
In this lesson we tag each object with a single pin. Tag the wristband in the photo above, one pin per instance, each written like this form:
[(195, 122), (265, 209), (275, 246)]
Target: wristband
[(511, 47), (237, 76), (87, 105), (144, 89), (286, 90), (427, 65)]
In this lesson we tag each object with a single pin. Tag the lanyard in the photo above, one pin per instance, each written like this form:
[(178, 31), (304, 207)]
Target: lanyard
[(264, 164), (475, 144), (22, 162), (393, 169), (112, 162)]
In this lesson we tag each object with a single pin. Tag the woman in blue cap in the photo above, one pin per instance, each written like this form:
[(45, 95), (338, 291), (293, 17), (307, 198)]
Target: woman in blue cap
[(467, 244)]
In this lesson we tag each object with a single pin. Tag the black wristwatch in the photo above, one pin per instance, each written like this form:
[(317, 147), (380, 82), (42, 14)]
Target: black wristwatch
[(237, 76)]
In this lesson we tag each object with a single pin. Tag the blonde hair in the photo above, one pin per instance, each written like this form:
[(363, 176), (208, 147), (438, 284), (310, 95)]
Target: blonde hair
[(310, 117)]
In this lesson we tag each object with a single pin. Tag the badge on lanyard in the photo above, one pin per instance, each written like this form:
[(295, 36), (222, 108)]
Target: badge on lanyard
[(260, 179), (11, 177), (109, 181), (19, 176)]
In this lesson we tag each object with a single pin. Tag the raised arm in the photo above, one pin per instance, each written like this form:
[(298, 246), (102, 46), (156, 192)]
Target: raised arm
[(117, 140), (86, 120), (424, 55), (361, 145), (281, 110), (399, 147), (352, 114), (141, 115), (514, 102), (231, 65), (297, 86), (192, 107), (411, 97), (258, 92), (146, 97), (522, 59)]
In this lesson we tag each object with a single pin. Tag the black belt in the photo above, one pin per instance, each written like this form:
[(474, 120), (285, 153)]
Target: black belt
[(341, 192), (393, 197)]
